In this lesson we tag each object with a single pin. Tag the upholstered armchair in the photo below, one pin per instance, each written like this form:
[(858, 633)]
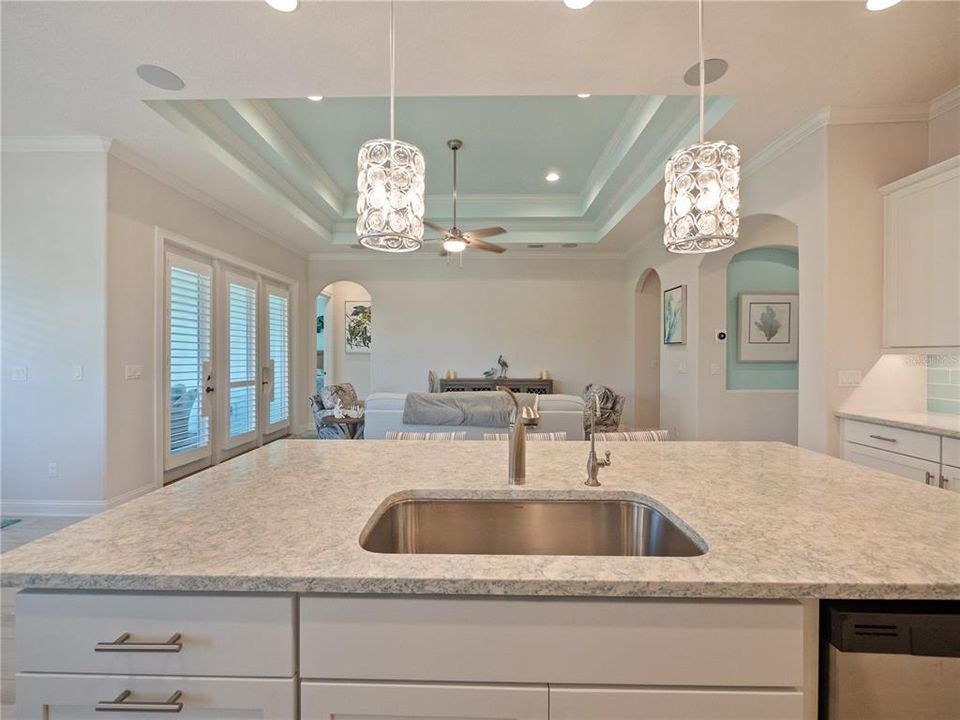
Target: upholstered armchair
[(611, 408), (323, 405)]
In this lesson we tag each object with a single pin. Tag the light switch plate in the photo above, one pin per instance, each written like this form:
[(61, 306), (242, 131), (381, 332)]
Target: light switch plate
[(714, 368), (132, 372), (849, 378), (78, 372), (18, 373)]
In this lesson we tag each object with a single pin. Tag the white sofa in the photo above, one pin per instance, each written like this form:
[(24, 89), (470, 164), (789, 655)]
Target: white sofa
[(558, 413)]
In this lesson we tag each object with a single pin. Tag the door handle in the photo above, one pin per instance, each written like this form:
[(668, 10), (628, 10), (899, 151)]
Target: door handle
[(944, 481), (173, 645), (120, 704), (929, 477)]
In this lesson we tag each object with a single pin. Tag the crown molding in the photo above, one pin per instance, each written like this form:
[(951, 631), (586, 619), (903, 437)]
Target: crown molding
[(950, 100), (793, 136), (56, 143), (125, 154), (428, 255), (879, 115)]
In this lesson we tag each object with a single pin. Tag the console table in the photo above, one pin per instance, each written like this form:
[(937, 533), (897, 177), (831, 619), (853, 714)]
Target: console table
[(517, 385)]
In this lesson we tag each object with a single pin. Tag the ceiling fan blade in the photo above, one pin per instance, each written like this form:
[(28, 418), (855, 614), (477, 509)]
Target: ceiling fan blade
[(485, 232), (434, 226), (476, 244)]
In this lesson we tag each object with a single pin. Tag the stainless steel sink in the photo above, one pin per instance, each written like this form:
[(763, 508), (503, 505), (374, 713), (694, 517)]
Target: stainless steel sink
[(525, 527)]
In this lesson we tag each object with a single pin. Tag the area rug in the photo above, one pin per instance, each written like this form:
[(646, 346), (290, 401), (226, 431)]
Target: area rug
[(8, 523)]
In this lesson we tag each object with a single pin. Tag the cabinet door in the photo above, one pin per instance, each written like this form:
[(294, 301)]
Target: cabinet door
[(596, 703), (950, 478), (49, 696), (921, 257), (923, 471), (421, 701)]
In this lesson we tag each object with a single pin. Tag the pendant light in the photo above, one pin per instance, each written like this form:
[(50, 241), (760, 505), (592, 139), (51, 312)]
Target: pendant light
[(702, 189), (390, 184)]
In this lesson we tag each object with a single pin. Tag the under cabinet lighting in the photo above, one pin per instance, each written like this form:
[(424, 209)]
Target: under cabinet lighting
[(877, 5), (283, 5)]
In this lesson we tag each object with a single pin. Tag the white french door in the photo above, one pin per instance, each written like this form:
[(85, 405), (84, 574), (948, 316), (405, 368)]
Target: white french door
[(226, 360), (188, 366), (241, 387)]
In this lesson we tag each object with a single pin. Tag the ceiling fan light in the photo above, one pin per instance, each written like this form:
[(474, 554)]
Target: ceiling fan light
[(390, 188), (454, 246), (702, 193)]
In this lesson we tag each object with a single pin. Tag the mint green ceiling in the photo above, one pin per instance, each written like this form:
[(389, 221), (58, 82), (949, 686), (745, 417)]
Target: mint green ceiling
[(608, 150), (510, 143)]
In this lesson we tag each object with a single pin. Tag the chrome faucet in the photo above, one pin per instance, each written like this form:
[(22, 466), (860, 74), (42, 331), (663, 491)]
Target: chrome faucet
[(522, 417), (594, 464)]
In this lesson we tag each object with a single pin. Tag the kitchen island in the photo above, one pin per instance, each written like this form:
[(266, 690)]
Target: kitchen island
[(256, 564)]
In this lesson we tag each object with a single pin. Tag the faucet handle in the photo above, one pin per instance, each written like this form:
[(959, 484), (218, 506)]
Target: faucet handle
[(529, 416), (606, 461)]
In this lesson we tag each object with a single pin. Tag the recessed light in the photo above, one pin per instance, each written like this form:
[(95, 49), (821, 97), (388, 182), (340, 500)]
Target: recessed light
[(159, 77), (315, 98), (877, 5), (577, 4), (583, 96), (552, 177), (713, 70), (283, 5)]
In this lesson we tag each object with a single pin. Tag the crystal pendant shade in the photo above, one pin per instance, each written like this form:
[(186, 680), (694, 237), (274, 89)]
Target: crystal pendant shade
[(390, 187), (702, 196)]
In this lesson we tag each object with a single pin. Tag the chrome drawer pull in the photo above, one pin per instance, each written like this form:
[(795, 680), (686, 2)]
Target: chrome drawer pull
[(173, 645), (885, 439), (119, 704)]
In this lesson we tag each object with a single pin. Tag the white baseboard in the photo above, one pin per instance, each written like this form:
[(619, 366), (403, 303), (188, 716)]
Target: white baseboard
[(68, 508)]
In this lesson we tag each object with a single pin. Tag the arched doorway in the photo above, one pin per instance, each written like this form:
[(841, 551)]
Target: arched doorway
[(646, 401), (344, 336)]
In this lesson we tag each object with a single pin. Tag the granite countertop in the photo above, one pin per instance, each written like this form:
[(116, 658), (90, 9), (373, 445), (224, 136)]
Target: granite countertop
[(936, 423), (779, 522)]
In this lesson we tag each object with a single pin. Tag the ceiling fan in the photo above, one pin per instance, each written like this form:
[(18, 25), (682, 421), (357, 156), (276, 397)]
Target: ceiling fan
[(456, 240)]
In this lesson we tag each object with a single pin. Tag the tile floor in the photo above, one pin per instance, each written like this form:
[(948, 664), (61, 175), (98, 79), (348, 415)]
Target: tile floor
[(27, 530)]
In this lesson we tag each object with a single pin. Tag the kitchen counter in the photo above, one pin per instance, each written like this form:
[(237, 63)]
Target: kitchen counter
[(778, 521), (935, 423)]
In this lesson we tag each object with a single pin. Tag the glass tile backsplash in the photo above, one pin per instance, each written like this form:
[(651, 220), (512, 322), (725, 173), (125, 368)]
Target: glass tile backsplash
[(943, 384)]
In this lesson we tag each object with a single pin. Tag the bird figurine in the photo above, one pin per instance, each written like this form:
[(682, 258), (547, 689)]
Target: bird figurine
[(503, 366)]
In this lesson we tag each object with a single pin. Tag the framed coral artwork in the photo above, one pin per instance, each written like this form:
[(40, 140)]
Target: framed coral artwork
[(768, 328)]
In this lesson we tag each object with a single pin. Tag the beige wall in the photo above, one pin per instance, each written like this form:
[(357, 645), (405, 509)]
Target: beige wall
[(565, 316), (54, 308), (862, 158), (943, 139), (341, 366), (647, 338), (137, 204)]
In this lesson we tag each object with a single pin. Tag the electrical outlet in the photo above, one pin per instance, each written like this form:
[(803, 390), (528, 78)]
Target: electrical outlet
[(682, 367), (18, 373), (78, 372), (849, 378), (52, 470), (132, 372)]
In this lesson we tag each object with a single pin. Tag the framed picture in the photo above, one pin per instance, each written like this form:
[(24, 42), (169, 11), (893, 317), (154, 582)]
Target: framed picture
[(357, 327), (768, 327), (675, 315)]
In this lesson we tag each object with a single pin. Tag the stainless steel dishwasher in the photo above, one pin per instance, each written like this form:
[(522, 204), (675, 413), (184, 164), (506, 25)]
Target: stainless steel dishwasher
[(890, 661)]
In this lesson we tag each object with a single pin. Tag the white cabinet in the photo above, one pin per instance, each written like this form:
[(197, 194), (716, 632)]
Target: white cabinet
[(609, 703), (924, 471), (922, 259), (49, 696), (924, 457), (419, 701)]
